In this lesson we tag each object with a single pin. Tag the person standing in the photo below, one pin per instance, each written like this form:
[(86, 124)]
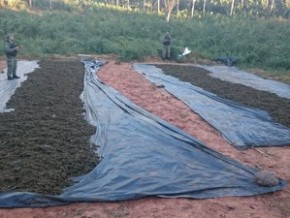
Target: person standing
[(2, 71), (166, 41), (11, 52)]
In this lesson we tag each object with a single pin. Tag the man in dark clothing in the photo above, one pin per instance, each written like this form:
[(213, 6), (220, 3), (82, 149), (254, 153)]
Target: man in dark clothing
[(11, 52), (166, 41)]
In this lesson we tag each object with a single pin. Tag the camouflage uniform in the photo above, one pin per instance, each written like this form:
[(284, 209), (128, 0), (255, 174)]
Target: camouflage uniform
[(11, 52), (166, 41)]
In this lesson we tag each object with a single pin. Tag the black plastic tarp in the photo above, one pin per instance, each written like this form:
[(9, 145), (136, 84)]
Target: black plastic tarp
[(142, 155), (242, 126)]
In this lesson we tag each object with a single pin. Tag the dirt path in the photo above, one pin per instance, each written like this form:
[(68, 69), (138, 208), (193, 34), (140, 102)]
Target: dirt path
[(156, 100)]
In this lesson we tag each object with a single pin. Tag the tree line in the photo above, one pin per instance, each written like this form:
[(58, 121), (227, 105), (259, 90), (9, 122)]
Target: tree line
[(180, 8)]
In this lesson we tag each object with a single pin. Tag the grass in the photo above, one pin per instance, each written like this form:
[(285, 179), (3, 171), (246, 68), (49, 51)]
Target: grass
[(256, 43)]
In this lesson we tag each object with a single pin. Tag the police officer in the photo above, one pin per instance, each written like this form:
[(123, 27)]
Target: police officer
[(166, 41), (11, 51)]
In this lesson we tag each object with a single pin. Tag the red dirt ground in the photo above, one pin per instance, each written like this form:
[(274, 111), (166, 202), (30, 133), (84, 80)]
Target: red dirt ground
[(139, 90), (2, 65)]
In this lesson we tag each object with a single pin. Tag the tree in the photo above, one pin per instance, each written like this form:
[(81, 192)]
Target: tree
[(280, 5), (191, 7), (204, 6), (143, 5), (168, 7), (158, 7), (177, 8), (270, 7), (128, 4), (232, 8)]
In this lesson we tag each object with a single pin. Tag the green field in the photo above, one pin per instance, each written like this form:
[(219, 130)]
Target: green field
[(256, 42)]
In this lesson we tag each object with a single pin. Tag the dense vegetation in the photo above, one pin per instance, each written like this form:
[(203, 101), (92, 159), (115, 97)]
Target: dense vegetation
[(253, 40)]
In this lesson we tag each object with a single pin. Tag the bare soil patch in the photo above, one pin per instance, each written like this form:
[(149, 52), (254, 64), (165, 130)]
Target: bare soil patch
[(156, 100)]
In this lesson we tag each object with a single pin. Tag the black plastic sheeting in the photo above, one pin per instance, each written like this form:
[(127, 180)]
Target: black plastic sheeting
[(142, 155), (228, 61), (242, 126)]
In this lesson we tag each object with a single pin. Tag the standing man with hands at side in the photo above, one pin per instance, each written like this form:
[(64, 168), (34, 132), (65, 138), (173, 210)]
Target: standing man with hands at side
[(11, 51), (166, 41)]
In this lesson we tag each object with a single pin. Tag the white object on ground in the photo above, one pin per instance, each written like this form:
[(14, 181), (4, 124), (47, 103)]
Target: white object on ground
[(186, 51)]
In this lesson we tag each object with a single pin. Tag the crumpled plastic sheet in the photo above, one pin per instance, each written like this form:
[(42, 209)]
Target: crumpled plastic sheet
[(8, 87), (242, 126), (142, 155), (234, 75)]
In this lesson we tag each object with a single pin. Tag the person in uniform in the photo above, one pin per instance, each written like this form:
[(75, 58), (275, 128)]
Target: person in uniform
[(11, 50), (166, 41)]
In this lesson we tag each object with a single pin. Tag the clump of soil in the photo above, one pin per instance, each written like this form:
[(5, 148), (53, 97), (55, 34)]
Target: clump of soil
[(266, 178), (45, 141), (279, 108)]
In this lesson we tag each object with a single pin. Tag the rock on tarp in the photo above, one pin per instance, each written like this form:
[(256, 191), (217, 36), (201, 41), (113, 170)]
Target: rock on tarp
[(142, 155), (242, 126)]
